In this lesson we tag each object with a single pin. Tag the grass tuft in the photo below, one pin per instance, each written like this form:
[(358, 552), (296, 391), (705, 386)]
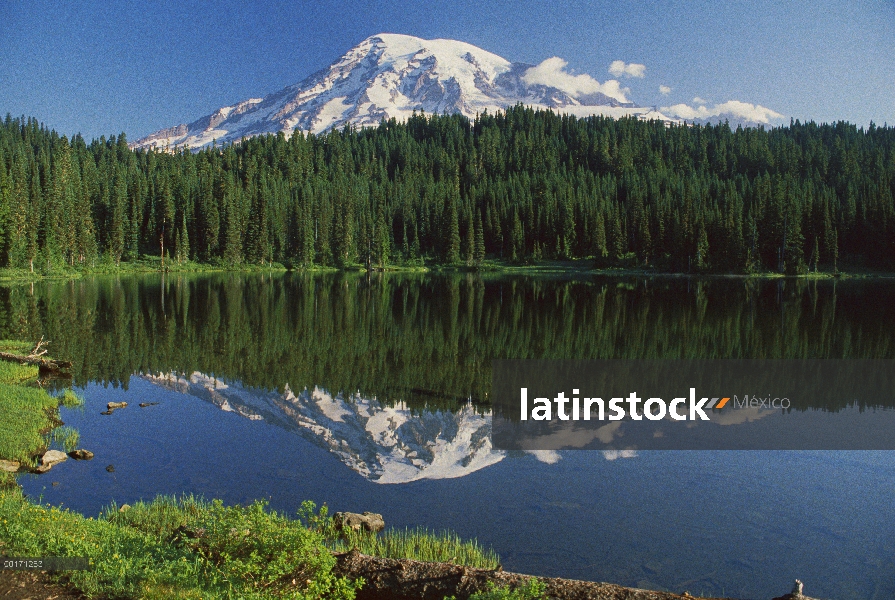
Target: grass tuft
[(415, 544), (418, 544), (65, 436), (71, 399)]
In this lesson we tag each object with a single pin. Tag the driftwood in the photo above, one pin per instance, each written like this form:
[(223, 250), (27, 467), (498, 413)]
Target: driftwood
[(392, 579), (45, 365)]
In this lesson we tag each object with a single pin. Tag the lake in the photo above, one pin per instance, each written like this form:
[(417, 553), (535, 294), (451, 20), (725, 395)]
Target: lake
[(370, 392)]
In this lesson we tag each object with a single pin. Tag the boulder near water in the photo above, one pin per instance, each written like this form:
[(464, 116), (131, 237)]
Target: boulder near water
[(81, 454), (112, 407), (367, 521), (53, 457), (50, 458), (9, 466)]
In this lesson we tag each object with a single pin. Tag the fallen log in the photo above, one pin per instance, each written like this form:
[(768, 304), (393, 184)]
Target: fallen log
[(404, 579), (45, 365)]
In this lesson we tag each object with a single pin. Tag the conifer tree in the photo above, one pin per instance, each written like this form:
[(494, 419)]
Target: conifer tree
[(382, 238), (600, 248), (517, 247), (469, 251), (306, 229), (118, 223), (479, 248), (702, 247), (452, 230), (182, 243), (19, 207)]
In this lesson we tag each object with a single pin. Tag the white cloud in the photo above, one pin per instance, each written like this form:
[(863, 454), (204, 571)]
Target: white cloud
[(616, 454), (620, 68), (739, 110), (698, 100), (664, 90), (552, 72), (546, 456)]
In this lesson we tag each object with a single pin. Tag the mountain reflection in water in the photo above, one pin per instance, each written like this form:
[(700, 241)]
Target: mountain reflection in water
[(384, 444)]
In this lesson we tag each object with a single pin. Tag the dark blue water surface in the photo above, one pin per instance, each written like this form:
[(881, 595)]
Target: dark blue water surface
[(737, 523)]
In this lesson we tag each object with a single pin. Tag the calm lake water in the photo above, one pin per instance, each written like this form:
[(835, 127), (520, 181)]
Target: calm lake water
[(370, 393)]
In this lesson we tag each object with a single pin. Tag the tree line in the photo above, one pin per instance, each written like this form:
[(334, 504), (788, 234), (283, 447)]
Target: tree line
[(521, 185)]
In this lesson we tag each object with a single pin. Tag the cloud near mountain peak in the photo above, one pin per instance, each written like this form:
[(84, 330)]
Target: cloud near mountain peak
[(735, 108), (552, 73)]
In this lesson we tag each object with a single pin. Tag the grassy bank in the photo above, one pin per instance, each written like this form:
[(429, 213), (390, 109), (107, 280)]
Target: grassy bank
[(178, 548), (584, 266), (189, 548), (27, 413), (182, 547), (147, 264)]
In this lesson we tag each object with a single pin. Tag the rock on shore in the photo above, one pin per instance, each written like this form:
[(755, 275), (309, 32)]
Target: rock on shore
[(53, 457), (81, 454), (367, 521)]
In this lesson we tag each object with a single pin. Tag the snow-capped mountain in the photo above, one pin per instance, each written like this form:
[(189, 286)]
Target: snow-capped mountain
[(383, 444), (390, 75)]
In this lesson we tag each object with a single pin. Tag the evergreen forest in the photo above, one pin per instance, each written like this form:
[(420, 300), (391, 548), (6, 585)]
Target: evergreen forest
[(519, 186)]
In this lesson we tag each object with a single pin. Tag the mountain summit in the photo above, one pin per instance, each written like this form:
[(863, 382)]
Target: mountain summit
[(391, 75)]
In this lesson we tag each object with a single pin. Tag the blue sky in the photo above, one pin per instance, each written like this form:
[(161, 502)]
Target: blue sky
[(99, 67)]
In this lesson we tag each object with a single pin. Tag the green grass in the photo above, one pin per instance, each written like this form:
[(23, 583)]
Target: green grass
[(146, 264), (153, 264), (178, 549), (166, 514), (417, 544), (27, 414), (15, 346), (70, 399), (530, 590), (495, 266), (65, 436), (165, 549), (190, 548)]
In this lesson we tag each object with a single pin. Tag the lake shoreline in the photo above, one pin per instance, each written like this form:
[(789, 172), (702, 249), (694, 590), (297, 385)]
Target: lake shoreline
[(385, 577), (583, 267)]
